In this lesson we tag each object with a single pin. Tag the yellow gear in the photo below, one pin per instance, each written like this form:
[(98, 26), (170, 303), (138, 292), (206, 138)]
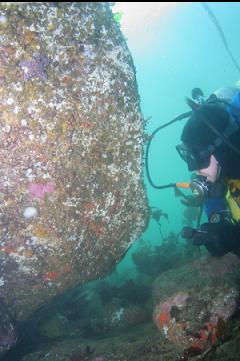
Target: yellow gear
[(233, 198)]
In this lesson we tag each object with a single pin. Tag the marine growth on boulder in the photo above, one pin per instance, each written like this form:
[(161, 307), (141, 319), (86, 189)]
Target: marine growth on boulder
[(72, 199), (192, 308)]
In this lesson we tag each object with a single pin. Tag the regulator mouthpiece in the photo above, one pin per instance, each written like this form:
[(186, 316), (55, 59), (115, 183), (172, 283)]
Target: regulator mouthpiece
[(201, 187)]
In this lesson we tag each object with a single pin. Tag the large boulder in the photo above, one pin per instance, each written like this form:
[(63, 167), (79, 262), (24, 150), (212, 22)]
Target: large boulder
[(72, 199), (192, 306)]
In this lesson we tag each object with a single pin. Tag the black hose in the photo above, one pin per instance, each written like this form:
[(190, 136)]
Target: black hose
[(199, 216), (180, 117), (221, 33)]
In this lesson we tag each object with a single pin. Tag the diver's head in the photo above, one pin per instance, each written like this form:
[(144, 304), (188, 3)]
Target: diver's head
[(202, 148), (197, 95)]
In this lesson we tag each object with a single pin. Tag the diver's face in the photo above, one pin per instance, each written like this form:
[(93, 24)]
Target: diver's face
[(212, 171)]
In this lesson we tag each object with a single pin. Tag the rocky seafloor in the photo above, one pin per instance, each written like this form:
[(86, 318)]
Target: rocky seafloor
[(140, 343), (109, 321)]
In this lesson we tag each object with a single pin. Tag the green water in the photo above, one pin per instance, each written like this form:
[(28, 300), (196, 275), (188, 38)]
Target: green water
[(175, 48)]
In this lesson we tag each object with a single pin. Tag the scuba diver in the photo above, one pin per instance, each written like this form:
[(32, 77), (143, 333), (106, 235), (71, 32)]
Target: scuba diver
[(211, 148)]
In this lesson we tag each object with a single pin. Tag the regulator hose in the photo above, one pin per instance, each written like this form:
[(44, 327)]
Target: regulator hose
[(180, 117)]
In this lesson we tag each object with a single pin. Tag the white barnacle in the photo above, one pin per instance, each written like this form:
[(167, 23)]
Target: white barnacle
[(3, 20), (23, 122), (9, 101), (16, 109), (165, 329), (29, 174), (32, 27), (30, 212)]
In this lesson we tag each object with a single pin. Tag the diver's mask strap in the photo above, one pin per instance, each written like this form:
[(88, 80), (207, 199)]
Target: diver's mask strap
[(231, 128)]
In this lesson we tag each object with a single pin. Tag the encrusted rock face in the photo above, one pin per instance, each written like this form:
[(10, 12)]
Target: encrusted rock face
[(192, 307), (71, 132)]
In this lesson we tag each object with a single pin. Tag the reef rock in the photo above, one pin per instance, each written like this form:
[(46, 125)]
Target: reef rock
[(117, 318), (8, 335), (193, 305), (72, 199)]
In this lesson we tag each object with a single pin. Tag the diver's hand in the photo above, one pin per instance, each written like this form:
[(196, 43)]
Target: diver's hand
[(218, 238), (208, 233)]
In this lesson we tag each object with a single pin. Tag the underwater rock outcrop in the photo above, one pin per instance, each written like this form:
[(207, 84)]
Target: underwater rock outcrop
[(117, 318), (8, 335), (192, 307), (72, 199)]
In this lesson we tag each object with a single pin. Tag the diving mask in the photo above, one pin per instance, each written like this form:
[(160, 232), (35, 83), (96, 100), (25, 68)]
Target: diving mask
[(195, 160)]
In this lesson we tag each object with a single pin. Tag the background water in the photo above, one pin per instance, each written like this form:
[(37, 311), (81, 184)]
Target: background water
[(175, 47)]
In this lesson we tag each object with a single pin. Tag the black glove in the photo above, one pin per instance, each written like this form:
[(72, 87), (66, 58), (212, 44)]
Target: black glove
[(218, 238)]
